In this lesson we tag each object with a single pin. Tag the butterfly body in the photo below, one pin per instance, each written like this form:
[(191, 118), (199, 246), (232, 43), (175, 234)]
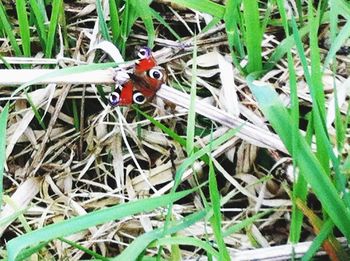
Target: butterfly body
[(143, 84)]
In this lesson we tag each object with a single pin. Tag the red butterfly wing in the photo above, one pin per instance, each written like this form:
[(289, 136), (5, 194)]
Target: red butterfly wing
[(124, 96)]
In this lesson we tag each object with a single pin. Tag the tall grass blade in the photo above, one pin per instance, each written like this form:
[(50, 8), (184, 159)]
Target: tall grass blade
[(23, 23), (114, 23), (56, 6), (191, 118), (253, 35), (3, 125), (102, 22), (8, 30), (215, 220), (39, 20)]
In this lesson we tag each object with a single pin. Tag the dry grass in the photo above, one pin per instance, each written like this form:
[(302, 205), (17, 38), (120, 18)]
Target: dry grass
[(62, 172)]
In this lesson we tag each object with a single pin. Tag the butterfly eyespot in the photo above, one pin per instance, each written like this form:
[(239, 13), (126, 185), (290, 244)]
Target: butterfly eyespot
[(114, 98), (139, 98), (155, 74), (144, 52)]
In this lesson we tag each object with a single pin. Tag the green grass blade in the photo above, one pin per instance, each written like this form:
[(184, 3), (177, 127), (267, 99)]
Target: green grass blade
[(23, 26), (160, 19), (234, 41), (3, 125), (189, 241), (8, 30), (79, 223), (204, 6), (246, 222), (308, 164), (76, 115), (114, 23), (56, 6), (253, 35), (215, 220), (144, 11), (39, 16), (191, 118), (317, 242), (343, 35), (283, 48), (205, 150), (36, 111), (84, 249), (102, 22), (140, 243)]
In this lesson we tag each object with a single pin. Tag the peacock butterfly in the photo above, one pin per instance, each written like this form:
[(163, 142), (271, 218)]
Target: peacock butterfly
[(143, 84)]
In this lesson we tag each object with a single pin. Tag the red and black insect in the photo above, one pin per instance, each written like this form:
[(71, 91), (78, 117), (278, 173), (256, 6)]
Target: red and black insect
[(143, 84)]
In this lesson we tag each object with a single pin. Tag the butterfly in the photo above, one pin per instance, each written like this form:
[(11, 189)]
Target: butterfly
[(143, 84)]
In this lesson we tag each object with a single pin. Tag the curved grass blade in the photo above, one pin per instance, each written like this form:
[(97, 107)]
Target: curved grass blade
[(79, 223)]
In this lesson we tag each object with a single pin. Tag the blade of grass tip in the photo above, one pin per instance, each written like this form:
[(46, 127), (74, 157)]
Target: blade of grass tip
[(211, 24), (84, 249), (191, 118), (27, 253), (215, 220), (79, 223), (246, 222), (308, 164), (56, 5), (36, 111), (165, 24), (253, 35), (75, 114), (39, 18), (7, 65), (204, 6), (114, 23), (8, 30), (102, 21), (189, 241), (3, 125), (22, 17)]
